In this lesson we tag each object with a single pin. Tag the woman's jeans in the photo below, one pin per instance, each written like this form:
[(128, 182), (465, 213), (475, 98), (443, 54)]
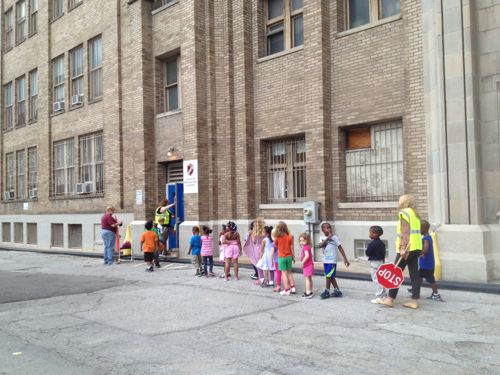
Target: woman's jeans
[(109, 239), (416, 281)]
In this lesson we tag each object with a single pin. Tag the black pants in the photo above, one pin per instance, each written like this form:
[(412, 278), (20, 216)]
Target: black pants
[(157, 257), (416, 281), (210, 261)]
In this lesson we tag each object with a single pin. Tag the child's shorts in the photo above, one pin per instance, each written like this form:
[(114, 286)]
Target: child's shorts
[(148, 257), (330, 270), (285, 264), (428, 275), (231, 252)]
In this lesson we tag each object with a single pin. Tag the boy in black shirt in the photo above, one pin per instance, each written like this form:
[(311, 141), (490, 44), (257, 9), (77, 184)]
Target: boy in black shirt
[(376, 256)]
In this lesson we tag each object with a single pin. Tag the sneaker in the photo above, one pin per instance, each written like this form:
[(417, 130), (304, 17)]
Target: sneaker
[(264, 284), (222, 276), (150, 269), (197, 273), (277, 289), (200, 274), (211, 274), (292, 290), (236, 279), (325, 294), (375, 301), (158, 265), (254, 276), (285, 292), (411, 305), (409, 290), (337, 293), (271, 283), (385, 302), (436, 297), (307, 296)]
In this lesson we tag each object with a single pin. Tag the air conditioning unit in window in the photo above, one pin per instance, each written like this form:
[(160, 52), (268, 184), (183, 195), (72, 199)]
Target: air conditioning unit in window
[(32, 193), (79, 188), (58, 106), (77, 99), (8, 195), (87, 186)]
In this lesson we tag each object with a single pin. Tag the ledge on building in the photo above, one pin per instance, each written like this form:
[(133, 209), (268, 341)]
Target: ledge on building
[(364, 205), (281, 206), (168, 114), (76, 196), (280, 54), (370, 25), (163, 7)]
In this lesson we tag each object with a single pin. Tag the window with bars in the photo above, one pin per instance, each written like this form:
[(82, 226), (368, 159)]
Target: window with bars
[(8, 29), (284, 24), (20, 21), (21, 174), (32, 171), (76, 64), (362, 12), (21, 101), (9, 173), (58, 83), (374, 163), (171, 85), (286, 171), (95, 68), (8, 106), (33, 16), (174, 172), (64, 167), (33, 95), (92, 162), (57, 8)]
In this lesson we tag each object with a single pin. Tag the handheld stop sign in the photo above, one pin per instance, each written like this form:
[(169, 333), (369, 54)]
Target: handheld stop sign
[(390, 276)]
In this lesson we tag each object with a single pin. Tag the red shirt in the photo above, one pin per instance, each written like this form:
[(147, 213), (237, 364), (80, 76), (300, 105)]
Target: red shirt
[(284, 244), (106, 222)]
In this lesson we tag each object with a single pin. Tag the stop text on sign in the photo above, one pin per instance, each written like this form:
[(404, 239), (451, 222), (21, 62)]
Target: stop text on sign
[(390, 276)]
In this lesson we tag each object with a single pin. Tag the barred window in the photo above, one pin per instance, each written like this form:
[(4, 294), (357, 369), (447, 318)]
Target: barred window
[(9, 172), (21, 174), (286, 171), (284, 24), (33, 95), (20, 21), (33, 16), (64, 167), (8, 106), (95, 67), (58, 83), (8, 29), (57, 8), (32, 171), (76, 63), (362, 12), (171, 83), (21, 101), (374, 163), (92, 162)]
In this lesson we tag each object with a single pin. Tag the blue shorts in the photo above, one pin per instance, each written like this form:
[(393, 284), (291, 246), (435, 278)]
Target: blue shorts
[(330, 270)]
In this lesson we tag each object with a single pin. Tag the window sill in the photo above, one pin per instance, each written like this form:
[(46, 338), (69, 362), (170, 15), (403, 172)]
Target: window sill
[(369, 26), (76, 196), (75, 107), (19, 126), (282, 206), (96, 100), (32, 34), (8, 49), (55, 19), (364, 205), (75, 6), (58, 113), (18, 200), (280, 54), (19, 42), (163, 7), (168, 114), (32, 122), (7, 130)]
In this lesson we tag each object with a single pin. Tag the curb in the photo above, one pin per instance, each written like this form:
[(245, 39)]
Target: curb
[(443, 285)]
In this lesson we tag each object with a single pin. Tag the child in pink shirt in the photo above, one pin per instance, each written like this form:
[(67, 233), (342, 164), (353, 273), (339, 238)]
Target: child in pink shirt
[(207, 251)]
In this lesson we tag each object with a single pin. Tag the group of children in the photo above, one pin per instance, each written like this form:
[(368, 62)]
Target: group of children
[(275, 255)]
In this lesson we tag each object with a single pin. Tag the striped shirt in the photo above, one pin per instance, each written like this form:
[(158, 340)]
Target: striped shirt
[(206, 246)]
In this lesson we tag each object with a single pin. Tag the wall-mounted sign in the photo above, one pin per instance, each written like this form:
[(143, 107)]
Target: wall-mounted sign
[(190, 176)]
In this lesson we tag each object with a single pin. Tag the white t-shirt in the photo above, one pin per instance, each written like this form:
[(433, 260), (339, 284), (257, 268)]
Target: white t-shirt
[(330, 250)]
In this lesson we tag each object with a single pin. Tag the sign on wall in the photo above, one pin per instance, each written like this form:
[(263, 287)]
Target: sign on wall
[(190, 176)]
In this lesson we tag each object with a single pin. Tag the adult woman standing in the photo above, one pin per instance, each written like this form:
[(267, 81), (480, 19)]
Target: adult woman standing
[(109, 223), (409, 248)]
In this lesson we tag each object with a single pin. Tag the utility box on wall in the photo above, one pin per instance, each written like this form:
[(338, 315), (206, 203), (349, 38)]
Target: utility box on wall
[(311, 212)]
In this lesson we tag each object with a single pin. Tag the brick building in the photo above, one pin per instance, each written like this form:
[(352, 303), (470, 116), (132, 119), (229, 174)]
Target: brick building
[(346, 103)]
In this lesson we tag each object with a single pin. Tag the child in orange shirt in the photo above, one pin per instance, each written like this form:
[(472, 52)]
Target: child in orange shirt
[(149, 244)]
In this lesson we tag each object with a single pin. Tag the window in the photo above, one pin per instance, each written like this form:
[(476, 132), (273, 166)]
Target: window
[(20, 21), (95, 53), (58, 83), (374, 163), (57, 235), (75, 236), (31, 233), (33, 16), (286, 169), (33, 95), (172, 85), (284, 25), (64, 167), (76, 63), (6, 232), (57, 8), (92, 162), (21, 101), (18, 232), (362, 12), (20, 174), (159, 3), (174, 172), (9, 177), (74, 3), (8, 29), (32, 172), (360, 247), (8, 104)]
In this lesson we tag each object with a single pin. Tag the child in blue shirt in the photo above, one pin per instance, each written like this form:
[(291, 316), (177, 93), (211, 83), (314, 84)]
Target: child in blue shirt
[(426, 261), (195, 250)]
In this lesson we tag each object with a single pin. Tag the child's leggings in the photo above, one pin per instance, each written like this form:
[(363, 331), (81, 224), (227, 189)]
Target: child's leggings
[(278, 274), (210, 261), (261, 274)]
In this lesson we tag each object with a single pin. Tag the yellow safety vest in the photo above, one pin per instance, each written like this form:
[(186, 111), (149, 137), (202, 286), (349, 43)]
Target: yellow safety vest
[(409, 216), (165, 215)]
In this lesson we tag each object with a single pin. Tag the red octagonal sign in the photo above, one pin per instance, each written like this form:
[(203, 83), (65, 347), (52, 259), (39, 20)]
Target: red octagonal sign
[(390, 276)]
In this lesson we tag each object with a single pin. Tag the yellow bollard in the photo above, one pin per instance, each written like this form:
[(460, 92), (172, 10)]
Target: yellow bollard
[(437, 261)]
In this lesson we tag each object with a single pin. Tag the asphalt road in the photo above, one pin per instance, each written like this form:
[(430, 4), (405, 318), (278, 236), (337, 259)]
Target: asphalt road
[(69, 315)]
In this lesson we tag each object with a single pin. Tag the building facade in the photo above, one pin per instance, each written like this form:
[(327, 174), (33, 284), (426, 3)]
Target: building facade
[(345, 103)]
